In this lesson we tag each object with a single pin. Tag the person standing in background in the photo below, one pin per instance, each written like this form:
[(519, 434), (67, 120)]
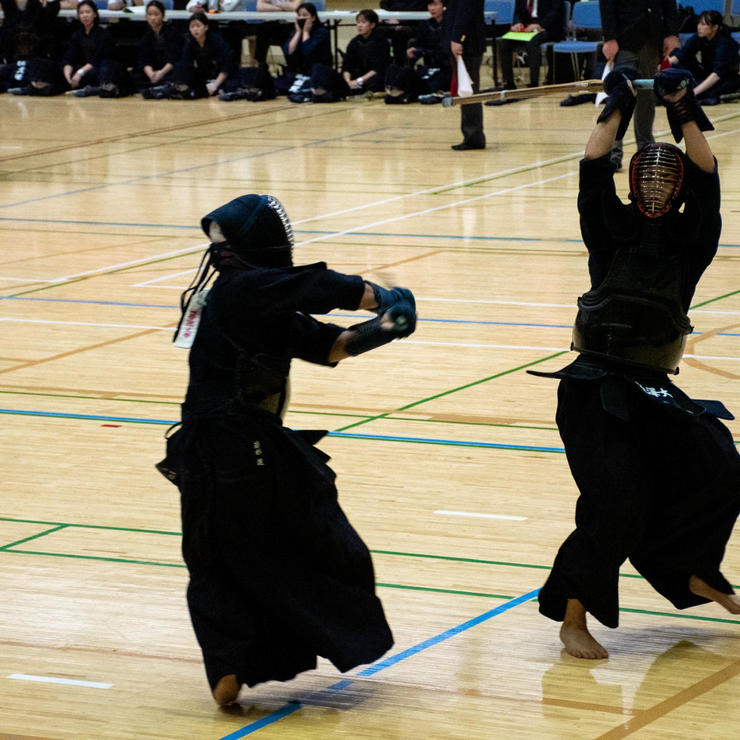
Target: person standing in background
[(639, 34), (466, 31)]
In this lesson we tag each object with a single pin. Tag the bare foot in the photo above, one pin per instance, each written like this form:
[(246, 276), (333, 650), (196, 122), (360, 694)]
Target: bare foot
[(226, 691), (574, 634), (701, 588)]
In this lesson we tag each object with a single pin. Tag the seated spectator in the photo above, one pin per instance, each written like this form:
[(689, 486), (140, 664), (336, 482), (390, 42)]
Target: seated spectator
[(309, 43), (89, 65), (26, 34), (271, 32), (544, 18), (367, 57), (711, 55), (206, 65), (159, 48), (431, 79)]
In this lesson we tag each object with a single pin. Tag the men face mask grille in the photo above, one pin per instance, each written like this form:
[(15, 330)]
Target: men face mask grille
[(656, 177)]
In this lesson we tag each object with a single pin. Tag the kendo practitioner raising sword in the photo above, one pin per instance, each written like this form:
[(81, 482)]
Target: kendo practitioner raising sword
[(278, 576), (658, 474)]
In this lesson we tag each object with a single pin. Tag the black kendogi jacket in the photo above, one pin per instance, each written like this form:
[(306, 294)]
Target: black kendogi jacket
[(209, 60), (609, 227), (156, 50), (29, 32), (365, 54), (431, 44), (316, 49), (635, 23), (607, 224), (92, 48), (255, 321)]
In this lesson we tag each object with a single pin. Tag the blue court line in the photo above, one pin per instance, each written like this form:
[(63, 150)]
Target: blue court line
[(421, 319), (395, 235), (381, 665), (346, 435)]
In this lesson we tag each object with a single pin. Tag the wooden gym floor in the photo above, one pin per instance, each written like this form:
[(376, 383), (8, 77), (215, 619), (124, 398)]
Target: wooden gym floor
[(448, 460)]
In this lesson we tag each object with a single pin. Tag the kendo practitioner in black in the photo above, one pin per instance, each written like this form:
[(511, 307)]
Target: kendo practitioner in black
[(658, 473), (278, 576)]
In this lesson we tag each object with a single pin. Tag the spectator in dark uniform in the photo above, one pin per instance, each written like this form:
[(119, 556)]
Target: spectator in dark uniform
[(26, 34), (367, 57), (159, 48), (711, 55), (309, 44)]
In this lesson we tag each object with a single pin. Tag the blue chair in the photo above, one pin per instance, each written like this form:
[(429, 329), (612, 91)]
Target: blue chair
[(503, 17), (102, 4), (585, 20), (735, 8), (700, 6)]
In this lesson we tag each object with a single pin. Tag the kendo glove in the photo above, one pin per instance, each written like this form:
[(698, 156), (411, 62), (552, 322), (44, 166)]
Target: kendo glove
[(620, 96), (371, 334), (671, 81), (386, 298)]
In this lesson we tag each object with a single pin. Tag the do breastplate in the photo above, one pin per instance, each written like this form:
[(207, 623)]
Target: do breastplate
[(636, 315)]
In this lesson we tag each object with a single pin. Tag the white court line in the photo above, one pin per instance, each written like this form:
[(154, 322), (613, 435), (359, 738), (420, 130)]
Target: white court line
[(128, 264), (14, 320), (464, 345), (66, 681), (450, 186), (482, 516), (150, 283), (541, 349), (442, 207)]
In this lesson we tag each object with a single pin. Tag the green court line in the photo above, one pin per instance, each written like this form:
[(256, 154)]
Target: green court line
[(444, 591), (452, 390), (34, 536), (714, 300), (75, 556), (395, 553), (379, 585), (343, 415), (89, 526), (678, 616)]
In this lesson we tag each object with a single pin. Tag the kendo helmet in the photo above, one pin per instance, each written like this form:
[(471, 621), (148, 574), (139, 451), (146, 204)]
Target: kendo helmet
[(656, 178), (257, 232)]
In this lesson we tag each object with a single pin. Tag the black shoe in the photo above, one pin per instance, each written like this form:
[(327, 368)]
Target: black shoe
[(239, 94), (464, 146), (87, 92), (26, 90)]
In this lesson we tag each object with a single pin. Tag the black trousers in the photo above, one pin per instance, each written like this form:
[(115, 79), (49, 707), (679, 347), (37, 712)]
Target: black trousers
[(534, 58), (278, 575), (471, 116), (661, 488)]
